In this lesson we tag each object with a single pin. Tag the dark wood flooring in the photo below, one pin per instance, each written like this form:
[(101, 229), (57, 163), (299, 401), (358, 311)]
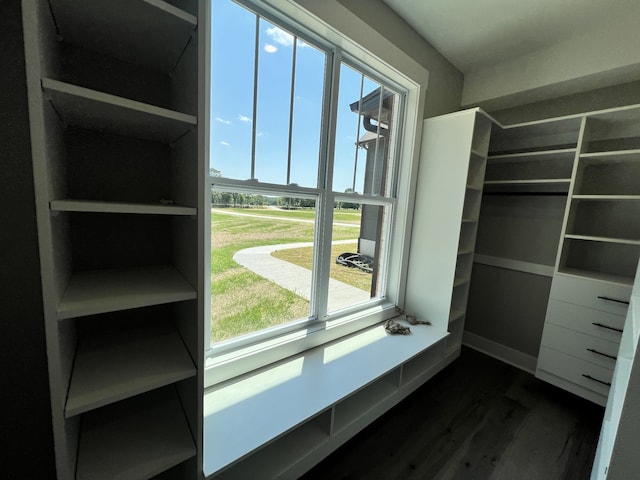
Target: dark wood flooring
[(477, 419)]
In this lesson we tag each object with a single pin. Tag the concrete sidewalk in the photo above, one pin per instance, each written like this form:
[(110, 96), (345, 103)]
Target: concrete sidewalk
[(294, 278)]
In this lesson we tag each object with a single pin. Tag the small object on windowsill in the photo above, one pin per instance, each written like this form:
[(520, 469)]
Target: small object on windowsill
[(166, 201), (414, 321), (411, 318), (395, 328)]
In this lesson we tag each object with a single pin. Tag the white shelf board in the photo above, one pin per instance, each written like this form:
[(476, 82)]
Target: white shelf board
[(607, 197), (517, 265), (623, 241), (537, 181), (90, 109), (99, 291), (612, 154), (460, 281), (455, 314), (150, 33), (277, 398), (70, 205), (581, 273), (135, 439), (564, 153), (114, 367)]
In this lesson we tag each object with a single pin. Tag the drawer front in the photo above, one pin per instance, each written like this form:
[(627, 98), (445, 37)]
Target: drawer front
[(607, 326), (597, 294), (592, 349), (574, 370)]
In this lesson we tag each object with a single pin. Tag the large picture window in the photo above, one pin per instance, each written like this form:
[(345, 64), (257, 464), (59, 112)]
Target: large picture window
[(304, 179)]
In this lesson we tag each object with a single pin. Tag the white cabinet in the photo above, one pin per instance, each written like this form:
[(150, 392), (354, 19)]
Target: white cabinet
[(598, 256), (448, 198), (114, 117), (616, 455)]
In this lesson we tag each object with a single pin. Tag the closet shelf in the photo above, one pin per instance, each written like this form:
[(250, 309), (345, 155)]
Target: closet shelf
[(512, 264), (458, 281), (455, 314), (607, 197), (584, 273), (537, 181), (624, 241), (101, 291), (118, 366), (613, 154), (563, 153), (151, 33), (137, 438), (69, 205), (85, 108)]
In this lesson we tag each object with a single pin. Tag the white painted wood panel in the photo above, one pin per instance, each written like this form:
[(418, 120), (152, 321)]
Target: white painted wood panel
[(585, 292), (586, 320), (119, 207), (591, 349)]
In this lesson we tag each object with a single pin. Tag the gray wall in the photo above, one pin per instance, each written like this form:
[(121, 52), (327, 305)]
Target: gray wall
[(444, 94), (25, 423), (598, 99)]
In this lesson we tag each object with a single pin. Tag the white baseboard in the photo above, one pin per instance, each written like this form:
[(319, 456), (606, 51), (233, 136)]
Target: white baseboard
[(506, 354)]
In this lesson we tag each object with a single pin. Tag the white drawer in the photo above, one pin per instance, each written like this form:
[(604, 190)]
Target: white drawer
[(591, 293), (592, 349), (574, 370), (607, 326)]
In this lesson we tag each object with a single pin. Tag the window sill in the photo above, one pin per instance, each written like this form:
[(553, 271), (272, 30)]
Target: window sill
[(356, 376)]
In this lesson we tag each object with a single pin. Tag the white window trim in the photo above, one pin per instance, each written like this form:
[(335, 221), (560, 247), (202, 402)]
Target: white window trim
[(296, 337)]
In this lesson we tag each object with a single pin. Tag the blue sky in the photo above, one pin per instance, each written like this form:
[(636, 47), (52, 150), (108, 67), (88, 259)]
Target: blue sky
[(232, 113)]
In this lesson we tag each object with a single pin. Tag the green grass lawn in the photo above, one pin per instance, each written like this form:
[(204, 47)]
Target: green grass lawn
[(242, 301)]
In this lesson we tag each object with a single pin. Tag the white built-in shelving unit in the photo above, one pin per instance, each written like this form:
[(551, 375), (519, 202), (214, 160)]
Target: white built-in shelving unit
[(113, 106), (279, 421), (450, 178)]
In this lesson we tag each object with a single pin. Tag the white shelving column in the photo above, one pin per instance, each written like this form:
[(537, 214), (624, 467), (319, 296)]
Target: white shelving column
[(114, 111), (449, 192)]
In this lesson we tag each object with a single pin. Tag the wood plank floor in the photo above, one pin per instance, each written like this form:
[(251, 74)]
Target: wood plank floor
[(477, 419)]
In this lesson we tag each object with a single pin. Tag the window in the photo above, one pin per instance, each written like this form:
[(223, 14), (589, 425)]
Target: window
[(304, 177)]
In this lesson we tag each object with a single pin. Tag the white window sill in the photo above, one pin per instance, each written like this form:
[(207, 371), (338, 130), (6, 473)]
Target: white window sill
[(245, 413)]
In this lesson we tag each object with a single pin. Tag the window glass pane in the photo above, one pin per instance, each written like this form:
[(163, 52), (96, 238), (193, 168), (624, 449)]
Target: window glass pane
[(232, 66), (258, 277), (274, 99), (307, 114), (356, 265), (364, 126)]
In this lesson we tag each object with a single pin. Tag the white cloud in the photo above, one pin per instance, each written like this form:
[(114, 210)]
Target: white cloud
[(222, 120), (270, 48), (226, 144), (283, 38), (244, 118)]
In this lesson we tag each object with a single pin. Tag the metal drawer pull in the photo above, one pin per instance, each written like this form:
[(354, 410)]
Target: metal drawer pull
[(596, 380), (606, 326), (609, 299), (600, 353)]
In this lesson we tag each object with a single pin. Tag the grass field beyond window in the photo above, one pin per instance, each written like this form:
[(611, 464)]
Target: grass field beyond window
[(244, 302)]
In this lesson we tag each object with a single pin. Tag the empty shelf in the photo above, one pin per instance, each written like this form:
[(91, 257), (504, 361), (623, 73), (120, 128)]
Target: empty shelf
[(564, 153), (624, 241), (100, 291), (85, 108), (151, 33), (114, 367), (69, 205), (134, 439)]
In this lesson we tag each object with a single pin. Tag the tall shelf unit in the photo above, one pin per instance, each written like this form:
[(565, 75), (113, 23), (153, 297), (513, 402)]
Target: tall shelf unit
[(113, 106), (452, 169), (597, 258), (529, 170)]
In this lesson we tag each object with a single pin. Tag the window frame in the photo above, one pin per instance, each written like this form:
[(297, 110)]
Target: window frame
[(243, 354)]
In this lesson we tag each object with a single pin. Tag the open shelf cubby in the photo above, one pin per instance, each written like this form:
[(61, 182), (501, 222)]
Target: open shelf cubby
[(609, 174), (609, 217), (600, 259), (613, 130), (545, 135)]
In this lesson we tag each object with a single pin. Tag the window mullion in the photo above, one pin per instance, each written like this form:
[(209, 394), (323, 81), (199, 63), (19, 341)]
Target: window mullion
[(324, 215), (256, 60), (291, 105)]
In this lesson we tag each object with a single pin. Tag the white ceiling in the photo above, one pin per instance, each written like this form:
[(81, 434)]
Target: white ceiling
[(476, 35)]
